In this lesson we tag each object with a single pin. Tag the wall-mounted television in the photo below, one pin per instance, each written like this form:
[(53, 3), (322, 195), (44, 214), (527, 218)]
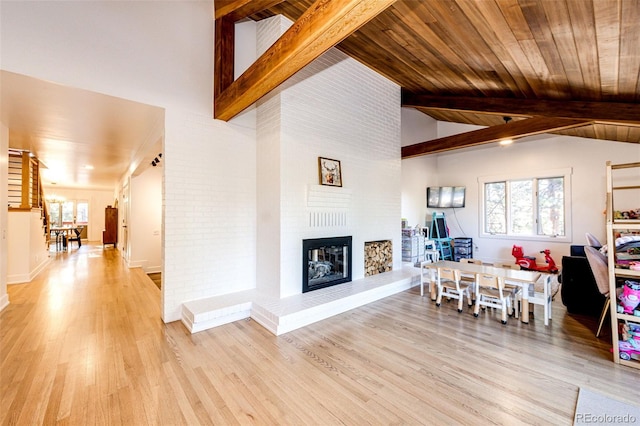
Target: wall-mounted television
[(444, 197)]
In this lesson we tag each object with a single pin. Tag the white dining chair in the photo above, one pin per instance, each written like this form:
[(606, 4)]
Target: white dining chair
[(470, 279), (541, 295), (506, 265), (516, 290), (449, 285), (428, 276), (431, 252), (490, 292)]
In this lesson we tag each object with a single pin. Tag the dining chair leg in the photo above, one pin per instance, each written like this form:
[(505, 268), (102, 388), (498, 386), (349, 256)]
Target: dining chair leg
[(547, 312), (603, 315), (476, 306), (439, 296)]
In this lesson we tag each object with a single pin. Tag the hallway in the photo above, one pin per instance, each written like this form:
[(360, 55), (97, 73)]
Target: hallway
[(72, 335), (83, 344)]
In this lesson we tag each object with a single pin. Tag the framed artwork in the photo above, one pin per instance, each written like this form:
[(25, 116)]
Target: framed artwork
[(330, 172)]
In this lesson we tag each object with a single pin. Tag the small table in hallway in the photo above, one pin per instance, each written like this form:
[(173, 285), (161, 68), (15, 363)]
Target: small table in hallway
[(61, 233)]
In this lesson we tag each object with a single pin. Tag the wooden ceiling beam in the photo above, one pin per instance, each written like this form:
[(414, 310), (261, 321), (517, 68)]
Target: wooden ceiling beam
[(223, 55), (325, 24), (227, 13), (513, 130), (602, 112), (240, 9)]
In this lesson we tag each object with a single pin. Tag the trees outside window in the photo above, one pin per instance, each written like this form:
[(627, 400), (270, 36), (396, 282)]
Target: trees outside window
[(82, 213), (533, 207), (66, 213)]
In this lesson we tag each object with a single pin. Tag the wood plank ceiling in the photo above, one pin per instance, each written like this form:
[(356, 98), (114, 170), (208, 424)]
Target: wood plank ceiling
[(569, 67)]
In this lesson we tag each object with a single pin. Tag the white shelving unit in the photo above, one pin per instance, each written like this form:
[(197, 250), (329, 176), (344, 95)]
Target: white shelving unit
[(627, 190), (412, 246)]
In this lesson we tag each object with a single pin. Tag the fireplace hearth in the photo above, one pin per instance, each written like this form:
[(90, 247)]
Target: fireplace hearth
[(325, 262)]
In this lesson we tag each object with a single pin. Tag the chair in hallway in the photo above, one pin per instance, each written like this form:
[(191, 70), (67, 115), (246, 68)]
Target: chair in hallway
[(75, 237)]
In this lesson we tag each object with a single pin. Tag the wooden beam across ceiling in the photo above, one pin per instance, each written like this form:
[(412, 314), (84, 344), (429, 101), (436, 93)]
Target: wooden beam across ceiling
[(240, 9), (325, 24), (227, 13), (514, 130), (602, 112)]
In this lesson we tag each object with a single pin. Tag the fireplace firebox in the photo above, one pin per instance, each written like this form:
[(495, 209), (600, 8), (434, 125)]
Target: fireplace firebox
[(325, 262)]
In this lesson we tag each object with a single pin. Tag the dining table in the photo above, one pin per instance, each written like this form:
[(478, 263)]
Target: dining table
[(522, 278), (61, 233)]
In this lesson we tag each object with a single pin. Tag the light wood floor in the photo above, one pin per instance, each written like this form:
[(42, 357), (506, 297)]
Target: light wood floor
[(84, 344)]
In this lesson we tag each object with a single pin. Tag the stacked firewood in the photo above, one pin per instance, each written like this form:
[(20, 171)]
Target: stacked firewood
[(378, 257)]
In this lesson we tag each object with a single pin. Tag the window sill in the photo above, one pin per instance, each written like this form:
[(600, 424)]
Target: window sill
[(541, 238)]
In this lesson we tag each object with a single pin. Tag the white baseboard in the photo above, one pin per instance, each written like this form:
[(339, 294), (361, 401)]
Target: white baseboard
[(4, 302), (28, 277)]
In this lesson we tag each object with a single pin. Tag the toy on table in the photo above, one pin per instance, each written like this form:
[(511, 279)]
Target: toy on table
[(529, 262)]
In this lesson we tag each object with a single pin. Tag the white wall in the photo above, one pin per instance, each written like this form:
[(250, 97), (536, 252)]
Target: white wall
[(144, 229), (417, 172), (586, 157), (339, 109), (27, 246), (269, 172), (209, 218), (158, 53), (4, 170)]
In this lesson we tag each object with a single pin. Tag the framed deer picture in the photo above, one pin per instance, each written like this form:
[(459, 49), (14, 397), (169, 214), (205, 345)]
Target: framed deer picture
[(330, 172)]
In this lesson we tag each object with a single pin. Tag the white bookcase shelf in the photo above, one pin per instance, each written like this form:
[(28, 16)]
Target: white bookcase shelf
[(623, 350)]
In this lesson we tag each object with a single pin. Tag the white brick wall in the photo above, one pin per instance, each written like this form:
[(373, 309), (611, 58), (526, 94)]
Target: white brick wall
[(236, 211), (210, 191), (336, 108)]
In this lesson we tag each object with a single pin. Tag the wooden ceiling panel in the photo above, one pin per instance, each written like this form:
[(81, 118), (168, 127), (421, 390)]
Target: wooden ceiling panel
[(583, 51), (628, 75), (607, 15)]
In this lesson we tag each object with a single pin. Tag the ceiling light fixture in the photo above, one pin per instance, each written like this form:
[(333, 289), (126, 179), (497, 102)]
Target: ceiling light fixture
[(508, 141), (156, 160)]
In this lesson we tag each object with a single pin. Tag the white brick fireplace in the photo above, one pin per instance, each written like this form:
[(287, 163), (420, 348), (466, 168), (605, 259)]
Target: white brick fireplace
[(334, 108)]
